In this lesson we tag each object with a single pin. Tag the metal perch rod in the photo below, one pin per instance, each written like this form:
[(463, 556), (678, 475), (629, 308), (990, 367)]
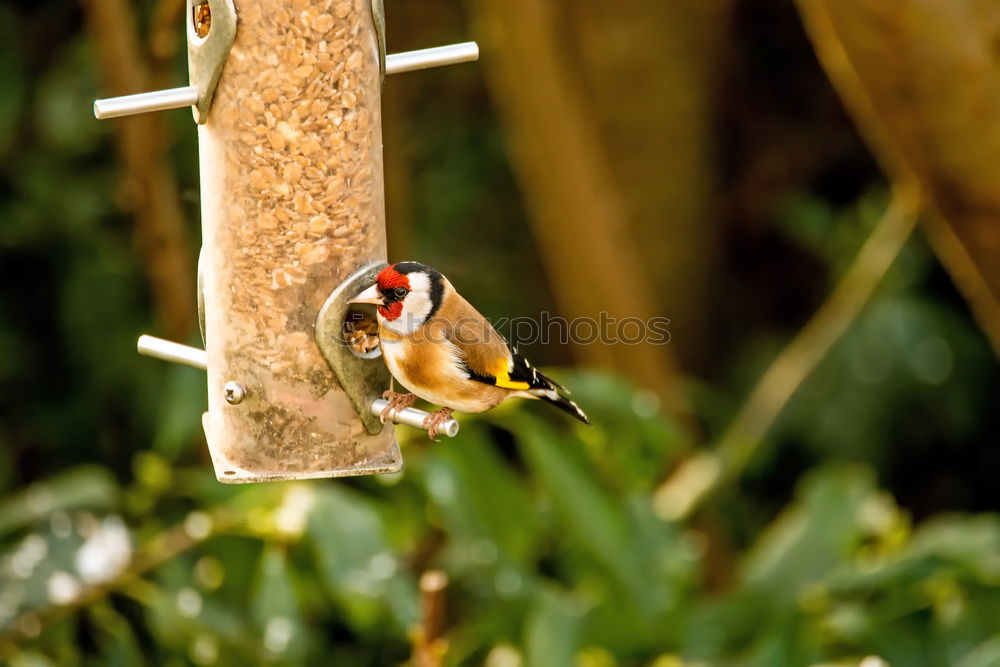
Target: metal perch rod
[(158, 100), (413, 417), (176, 98), (408, 61), (166, 350)]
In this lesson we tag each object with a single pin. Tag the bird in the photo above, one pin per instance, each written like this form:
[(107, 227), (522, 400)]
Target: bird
[(439, 346)]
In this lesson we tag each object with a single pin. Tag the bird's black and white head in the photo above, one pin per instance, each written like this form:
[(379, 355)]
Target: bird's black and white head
[(407, 296)]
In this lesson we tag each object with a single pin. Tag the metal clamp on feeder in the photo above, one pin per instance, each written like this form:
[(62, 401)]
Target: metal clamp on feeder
[(211, 31), (292, 204)]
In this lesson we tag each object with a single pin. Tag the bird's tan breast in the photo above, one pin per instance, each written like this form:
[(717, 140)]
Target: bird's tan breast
[(431, 367)]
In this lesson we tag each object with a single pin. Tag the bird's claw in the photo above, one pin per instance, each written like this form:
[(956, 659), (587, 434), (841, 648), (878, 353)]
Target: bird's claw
[(434, 421), (397, 402)]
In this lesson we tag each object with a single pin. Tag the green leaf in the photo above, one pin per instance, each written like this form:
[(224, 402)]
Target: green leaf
[(552, 630), (355, 561), (275, 608), (597, 521), (814, 536), (82, 487), (182, 401), (483, 501), (114, 635), (973, 541), (986, 654)]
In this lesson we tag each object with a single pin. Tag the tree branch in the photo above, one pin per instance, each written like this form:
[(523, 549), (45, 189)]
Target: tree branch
[(429, 646), (575, 206), (921, 81), (166, 251), (704, 473)]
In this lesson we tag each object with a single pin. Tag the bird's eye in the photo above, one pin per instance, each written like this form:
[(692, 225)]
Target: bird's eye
[(400, 292)]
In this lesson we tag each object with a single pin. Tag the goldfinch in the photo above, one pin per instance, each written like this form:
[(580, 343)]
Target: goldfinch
[(441, 348)]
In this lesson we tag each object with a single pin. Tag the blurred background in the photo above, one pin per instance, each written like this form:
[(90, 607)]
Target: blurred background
[(804, 475)]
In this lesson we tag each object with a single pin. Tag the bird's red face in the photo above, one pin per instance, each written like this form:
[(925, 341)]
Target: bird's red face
[(393, 287), (407, 295)]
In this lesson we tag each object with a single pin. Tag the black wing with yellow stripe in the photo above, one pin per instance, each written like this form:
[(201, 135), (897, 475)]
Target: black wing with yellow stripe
[(517, 373)]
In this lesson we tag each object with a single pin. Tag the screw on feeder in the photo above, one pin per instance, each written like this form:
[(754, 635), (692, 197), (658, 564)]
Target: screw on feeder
[(234, 393)]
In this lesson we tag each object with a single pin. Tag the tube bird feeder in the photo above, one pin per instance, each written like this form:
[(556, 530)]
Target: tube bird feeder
[(291, 203), (287, 97)]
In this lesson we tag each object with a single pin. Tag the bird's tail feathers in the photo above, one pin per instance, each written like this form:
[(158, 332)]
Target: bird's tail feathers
[(563, 403)]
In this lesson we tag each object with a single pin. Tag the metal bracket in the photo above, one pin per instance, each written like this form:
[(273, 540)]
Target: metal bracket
[(363, 379), (378, 18), (207, 55), (201, 294)]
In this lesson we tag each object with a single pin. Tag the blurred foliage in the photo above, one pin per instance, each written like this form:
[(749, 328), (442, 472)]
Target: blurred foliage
[(869, 528)]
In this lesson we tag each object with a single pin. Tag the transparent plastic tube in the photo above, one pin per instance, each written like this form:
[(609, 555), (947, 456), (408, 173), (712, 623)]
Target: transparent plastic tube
[(292, 202)]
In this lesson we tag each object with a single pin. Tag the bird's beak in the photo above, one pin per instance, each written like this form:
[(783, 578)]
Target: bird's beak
[(370, 295)]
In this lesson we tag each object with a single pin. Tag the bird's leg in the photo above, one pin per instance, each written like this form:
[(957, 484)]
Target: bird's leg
[(436, 420), (396, 403)]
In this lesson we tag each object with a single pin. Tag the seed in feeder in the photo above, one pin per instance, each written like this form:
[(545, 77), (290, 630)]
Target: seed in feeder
[(202, 18), (280, 278), (322, 24), (290, 133), (360, 342), (292, 172), (302, 108), (314, 254), (318, 107), (297, 339), (309, 146), (254, 105), (267, 222), (354, 62), (318, 224), (277, 140), (303, 203)]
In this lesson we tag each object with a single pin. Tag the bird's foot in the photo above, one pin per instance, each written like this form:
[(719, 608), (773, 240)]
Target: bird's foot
[(435, 420), (397, 402)]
